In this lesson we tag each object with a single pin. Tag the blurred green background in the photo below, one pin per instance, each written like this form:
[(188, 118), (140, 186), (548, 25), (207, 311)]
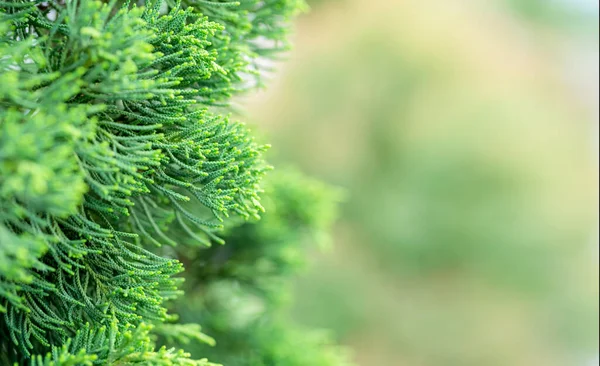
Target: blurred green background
[(462, 134)]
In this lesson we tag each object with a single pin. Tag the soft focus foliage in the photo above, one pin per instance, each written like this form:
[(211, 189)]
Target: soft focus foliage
[(238, 291), (466, 237)]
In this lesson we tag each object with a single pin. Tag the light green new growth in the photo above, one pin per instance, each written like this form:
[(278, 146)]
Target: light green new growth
[(112, 347)]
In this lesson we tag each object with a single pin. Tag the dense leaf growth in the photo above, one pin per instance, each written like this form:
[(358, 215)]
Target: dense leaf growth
[(112, 154)]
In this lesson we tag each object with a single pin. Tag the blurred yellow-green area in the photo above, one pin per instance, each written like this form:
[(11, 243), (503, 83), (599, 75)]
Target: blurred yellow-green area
[(462, 133)]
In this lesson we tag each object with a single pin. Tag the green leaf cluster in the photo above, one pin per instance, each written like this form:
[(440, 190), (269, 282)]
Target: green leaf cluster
[(111, 148)]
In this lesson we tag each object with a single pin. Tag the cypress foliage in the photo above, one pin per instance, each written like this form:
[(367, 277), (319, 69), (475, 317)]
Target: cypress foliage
[(116, 168)]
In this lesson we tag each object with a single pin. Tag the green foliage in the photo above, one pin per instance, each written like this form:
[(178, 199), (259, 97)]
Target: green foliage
[(300, 211), (108, 150), (238, 291), (252, 31), (107, 345)]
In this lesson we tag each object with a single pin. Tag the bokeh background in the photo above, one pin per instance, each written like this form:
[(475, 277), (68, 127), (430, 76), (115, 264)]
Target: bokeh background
[(464, 134)]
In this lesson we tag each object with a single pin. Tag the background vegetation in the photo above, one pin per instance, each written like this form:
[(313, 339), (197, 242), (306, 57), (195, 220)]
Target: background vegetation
[(462, 133)]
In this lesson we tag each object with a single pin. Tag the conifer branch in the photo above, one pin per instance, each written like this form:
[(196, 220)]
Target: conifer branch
[(109, 148)]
